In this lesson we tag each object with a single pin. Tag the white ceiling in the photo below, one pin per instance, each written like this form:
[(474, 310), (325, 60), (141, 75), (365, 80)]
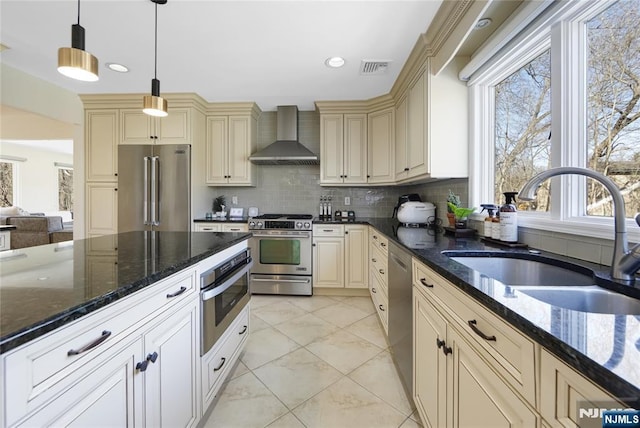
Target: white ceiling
[(271, 52)]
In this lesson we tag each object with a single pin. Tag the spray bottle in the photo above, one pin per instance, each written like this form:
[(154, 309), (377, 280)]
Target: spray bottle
[(488, 221), (509, 219)]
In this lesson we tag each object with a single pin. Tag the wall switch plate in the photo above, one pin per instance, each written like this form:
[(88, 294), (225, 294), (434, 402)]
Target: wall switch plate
[(347, 200), (234, 200)]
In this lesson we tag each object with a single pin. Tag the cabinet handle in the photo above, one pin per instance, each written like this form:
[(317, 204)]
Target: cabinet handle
[(374, 260), (382, 244), (105, 335), (406, 169), (476, 330), (234, 229), (142, 366), (381, 308), (381, 271), (177, 293), (244, 330), (116, 174), (375, 237), (439, 343), (446, 350), (423, 281), (373, 290), (222, 361), (327, 230), (152, 357)]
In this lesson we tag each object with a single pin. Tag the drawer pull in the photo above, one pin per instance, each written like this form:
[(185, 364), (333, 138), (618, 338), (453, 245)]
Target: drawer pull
[(328, 230), (472, 324), (381, 271), (374, 260), (373, 290), (177, 293), (244, 330), (446, 350), (222, 361), (381, 308), (382, 244), (440, 343), (152, 357), (105, 335), (424, 282), (142, 366), (375, 237)]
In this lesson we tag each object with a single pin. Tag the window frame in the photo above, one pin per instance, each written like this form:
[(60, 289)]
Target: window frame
[(561, 28), (15, 167)]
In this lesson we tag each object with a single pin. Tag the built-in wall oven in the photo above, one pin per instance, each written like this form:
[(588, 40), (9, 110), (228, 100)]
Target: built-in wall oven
[(224, 292), (281, 245)]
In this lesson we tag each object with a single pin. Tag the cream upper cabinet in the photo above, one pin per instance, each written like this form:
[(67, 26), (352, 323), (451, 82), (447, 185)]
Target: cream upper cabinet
[(231, 139), (101, 209), (343, 148), (140, 128), (433, 131), (101, 139), (381, 147), (401, 170)]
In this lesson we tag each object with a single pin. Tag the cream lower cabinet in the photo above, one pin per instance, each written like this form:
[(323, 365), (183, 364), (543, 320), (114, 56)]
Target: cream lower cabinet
[(565, 392), (453, 385), (340, 254), (220, 227), (378, 282)]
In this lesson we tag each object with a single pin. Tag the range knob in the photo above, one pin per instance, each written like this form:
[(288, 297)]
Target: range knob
[(252, 224), (299, 225), (259, 225), (307, 225)]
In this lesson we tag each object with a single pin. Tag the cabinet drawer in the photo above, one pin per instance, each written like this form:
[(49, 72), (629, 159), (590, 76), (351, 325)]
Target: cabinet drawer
[(43, 368), (378, 263), (222, 357), (510, 352), (235, 227), (378, 240), (380, 300), (207, 227), (328, 230)]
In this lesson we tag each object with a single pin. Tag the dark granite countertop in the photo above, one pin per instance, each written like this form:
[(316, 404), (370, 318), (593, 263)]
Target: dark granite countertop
[(45, 287), (221, 220), (603, 347)]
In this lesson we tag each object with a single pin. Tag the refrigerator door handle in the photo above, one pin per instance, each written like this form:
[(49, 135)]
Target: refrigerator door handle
[(145, 203), (155, 191)]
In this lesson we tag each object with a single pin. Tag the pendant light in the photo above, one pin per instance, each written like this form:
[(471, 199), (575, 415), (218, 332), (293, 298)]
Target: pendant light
[(154, 104), (75, 62)]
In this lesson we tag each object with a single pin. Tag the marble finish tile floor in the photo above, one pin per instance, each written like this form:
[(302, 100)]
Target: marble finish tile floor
[(314, 362)]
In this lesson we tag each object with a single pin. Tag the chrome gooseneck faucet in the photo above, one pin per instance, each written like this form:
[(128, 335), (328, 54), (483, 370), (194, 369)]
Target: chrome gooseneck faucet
[(625, 262)]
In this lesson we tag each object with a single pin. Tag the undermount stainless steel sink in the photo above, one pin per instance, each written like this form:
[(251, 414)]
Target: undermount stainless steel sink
[(590, 298), (558, 286), (513, 271)]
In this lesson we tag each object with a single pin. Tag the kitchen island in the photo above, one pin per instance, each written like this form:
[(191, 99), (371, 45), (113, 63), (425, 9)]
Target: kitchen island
[(81, 321)]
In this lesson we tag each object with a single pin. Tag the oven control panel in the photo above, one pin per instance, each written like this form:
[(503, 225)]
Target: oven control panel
[(280, 224)]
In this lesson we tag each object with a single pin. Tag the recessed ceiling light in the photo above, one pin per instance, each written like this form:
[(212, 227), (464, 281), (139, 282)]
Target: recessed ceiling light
[(334, 62), (114, 66), (482, 23)]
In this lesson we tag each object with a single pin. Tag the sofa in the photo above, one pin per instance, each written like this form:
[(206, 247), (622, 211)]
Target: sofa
[(32, 230)]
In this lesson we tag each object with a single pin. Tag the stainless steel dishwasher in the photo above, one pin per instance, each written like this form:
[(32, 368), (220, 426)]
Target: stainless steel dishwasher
[(401, 315)]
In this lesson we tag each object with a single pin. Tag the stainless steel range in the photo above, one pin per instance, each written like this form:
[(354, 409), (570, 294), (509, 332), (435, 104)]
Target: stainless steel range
[(281, 246)]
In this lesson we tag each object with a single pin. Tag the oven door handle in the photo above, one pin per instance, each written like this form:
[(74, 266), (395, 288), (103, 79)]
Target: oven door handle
[(215, 291), (295, 281), (302, 235)]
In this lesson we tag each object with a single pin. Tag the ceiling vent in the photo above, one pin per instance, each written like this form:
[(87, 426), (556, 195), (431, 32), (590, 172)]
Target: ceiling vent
[(370, 67)]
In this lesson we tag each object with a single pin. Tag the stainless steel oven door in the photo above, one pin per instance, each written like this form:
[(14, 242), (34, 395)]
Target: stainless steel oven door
[(281, 252), (221, 304)]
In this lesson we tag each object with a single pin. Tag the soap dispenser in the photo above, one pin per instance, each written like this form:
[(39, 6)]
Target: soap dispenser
[(488, 221), (509, 219)]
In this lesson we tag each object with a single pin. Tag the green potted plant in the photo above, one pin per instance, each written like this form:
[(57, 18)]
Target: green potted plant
[(453, 201), (219, 205), (460, 214)]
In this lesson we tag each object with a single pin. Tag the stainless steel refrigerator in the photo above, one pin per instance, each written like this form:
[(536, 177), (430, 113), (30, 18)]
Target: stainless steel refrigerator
[(154, 187)]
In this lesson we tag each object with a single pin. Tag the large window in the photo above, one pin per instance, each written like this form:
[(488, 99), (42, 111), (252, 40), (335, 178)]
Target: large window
[(613, 113), (65, 189), (563, 92)]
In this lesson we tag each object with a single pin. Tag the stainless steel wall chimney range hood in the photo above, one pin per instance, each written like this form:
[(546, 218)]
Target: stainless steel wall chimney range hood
[(286, 150)]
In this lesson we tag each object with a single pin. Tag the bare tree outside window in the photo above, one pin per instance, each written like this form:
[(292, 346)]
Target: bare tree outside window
[(522, 129), (6, 184), (613, 73), (65, 189)]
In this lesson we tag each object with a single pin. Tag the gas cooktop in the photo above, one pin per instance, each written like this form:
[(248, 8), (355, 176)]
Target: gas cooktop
[(281, 221)]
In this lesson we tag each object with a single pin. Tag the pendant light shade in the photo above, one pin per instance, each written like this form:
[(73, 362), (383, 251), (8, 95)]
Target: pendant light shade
[(75, 62), (154, 104)]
